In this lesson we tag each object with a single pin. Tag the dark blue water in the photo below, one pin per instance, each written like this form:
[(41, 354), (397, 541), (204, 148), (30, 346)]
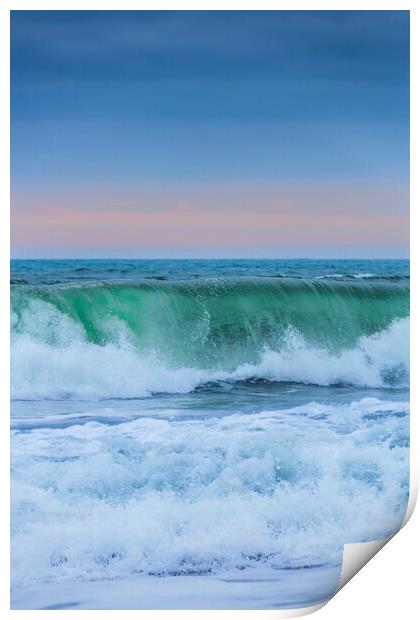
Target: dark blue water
[(61, 271)]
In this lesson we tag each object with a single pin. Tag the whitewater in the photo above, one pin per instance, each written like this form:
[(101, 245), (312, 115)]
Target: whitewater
[(220, 425)]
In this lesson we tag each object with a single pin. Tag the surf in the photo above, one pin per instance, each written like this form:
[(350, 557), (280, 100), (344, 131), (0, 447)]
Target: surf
[(192, 497), (119, 340)]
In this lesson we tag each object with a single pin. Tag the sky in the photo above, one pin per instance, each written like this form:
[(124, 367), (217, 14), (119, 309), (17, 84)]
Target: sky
[(274, 134)]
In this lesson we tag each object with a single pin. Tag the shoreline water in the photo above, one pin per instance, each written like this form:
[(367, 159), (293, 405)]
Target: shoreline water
[(251, 589)]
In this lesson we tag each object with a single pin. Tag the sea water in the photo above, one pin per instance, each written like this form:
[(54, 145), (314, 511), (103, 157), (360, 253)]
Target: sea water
[(203, 433)]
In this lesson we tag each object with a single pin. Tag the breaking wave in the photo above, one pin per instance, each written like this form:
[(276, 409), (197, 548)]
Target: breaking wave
[(130, 341)]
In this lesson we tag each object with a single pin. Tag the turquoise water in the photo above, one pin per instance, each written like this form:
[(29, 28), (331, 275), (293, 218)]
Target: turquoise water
[(212, 419)]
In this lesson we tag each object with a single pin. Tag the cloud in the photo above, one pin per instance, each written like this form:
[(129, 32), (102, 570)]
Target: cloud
[(249, 218), (107, 45)]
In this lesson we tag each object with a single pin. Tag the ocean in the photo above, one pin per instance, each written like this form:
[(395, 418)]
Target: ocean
[(203, 434)]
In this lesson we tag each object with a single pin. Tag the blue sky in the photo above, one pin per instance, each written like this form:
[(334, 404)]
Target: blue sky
[(130, 103)]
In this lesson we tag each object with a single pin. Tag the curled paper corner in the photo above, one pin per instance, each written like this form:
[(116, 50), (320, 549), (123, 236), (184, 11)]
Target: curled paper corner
[(299, 612), (412, 499), (356, 556)]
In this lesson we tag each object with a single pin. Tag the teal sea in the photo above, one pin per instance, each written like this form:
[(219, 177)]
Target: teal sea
[(212, 426)]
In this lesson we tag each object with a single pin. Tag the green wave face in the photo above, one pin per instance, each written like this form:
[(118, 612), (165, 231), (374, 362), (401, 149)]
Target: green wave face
[(211, 324)]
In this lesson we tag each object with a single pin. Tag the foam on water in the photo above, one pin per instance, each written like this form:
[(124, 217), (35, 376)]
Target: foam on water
[(211, 483), (76, 368), (283, 488)]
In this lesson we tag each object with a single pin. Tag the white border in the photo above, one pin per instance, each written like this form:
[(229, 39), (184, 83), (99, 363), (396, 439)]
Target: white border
[(389, 574)]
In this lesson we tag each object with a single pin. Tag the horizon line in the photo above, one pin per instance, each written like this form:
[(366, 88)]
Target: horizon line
[(75, 258)]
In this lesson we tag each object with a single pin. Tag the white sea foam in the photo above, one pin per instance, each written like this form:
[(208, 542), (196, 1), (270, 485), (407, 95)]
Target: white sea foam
[(358, 276), (161, 496), (364, 276), (56, 361)]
